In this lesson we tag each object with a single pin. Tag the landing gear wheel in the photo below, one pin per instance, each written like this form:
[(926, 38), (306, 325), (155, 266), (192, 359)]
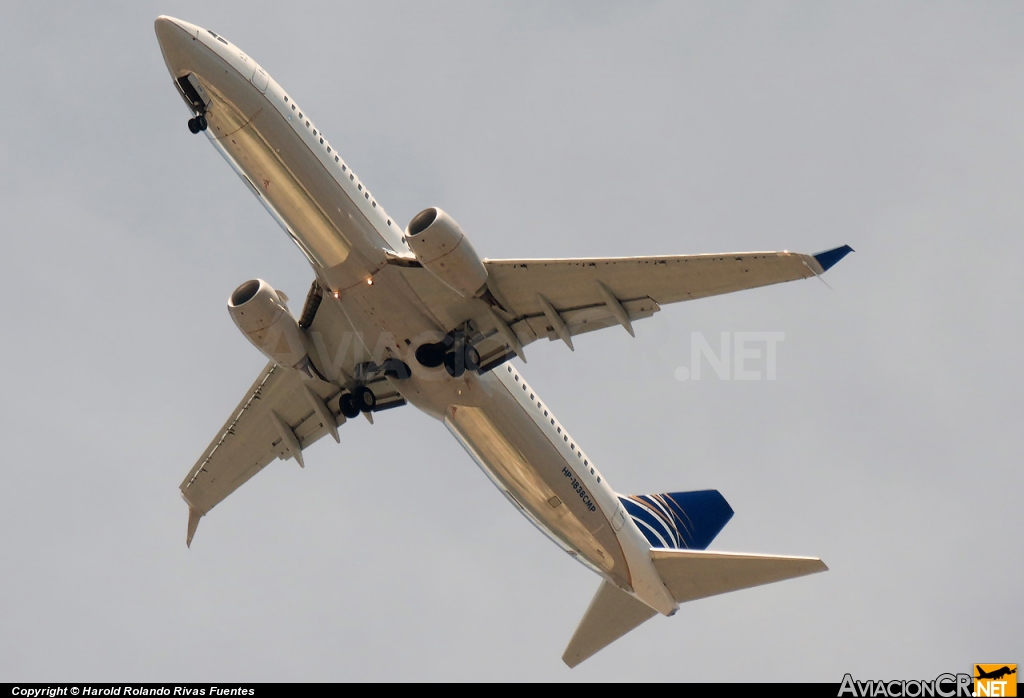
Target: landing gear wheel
[(197, 124), (348, 406), (454, 364), (396, 368), (431, 355), (463, 358), (472, 359), (364, 399)]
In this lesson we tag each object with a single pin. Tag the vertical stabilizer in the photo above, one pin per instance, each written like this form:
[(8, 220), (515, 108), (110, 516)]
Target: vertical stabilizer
[(679, 520), (611, 614)]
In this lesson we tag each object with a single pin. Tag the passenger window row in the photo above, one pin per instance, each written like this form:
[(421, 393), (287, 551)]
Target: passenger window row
[(558, 428), (337, 159)]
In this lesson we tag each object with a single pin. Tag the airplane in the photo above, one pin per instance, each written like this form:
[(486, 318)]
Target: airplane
[(995, 674), (415, 316)]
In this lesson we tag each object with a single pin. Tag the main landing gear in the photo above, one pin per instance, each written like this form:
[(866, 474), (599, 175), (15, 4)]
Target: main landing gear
[(359, 400), (362, 399), (197, 123), (461, 359), (453, 353)]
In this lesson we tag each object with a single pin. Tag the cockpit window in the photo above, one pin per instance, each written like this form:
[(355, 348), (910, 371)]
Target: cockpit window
[(221, 39), (212, 33)]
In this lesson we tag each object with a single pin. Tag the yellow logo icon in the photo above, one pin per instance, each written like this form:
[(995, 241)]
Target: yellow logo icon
[(995, 680)]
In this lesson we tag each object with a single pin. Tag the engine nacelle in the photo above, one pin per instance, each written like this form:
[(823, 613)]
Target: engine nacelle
[(260, 313), (443, 249)]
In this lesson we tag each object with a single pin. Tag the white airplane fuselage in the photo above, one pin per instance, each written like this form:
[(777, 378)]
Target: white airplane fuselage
[(348, 238)]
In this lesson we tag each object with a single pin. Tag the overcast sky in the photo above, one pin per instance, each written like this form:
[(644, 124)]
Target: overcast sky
[(888, 444)]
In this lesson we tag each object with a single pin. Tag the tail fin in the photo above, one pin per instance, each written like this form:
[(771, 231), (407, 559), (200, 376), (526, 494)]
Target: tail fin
[(611, 614), (691, 574), (688, 520)]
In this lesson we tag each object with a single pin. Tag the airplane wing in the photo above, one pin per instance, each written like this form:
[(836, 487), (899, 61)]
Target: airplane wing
[(562, 298), (283, 412)]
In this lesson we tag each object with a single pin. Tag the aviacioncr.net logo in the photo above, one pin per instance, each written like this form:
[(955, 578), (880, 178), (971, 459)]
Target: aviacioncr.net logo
[(995, 680), (942, 686)]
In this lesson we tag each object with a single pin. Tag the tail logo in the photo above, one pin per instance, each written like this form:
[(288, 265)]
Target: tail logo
[(659, 519), (678, 520)]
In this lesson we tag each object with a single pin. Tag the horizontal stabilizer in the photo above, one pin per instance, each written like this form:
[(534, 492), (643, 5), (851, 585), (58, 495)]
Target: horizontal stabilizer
[(611, 614), (692, 574)]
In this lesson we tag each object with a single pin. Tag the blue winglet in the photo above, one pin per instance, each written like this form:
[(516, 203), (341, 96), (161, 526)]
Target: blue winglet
[(829, 258)]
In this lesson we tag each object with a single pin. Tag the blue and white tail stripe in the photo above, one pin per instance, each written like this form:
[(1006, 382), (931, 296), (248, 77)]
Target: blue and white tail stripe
[(679, 520)]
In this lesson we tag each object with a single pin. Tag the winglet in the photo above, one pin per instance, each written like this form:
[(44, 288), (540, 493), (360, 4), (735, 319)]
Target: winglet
[(193, 523), (829, 258)]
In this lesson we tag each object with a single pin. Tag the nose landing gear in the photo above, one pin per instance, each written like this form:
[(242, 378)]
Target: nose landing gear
[(197, 123)]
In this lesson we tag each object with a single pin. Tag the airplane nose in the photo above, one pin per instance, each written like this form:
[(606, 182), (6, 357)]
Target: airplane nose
[(164, 22), (169, 27), (175, 37)]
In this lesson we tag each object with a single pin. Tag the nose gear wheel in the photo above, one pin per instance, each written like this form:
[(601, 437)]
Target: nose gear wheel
[(197, 124)]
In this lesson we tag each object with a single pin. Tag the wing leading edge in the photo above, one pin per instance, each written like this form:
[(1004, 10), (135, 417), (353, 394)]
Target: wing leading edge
[(561, 298), (572, 285), (281, 414)]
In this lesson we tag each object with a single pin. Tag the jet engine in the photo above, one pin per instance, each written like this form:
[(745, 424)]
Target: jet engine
[(260, 313), (443, 249)]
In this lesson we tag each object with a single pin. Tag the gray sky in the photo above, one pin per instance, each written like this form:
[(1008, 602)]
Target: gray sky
[(889, 444)]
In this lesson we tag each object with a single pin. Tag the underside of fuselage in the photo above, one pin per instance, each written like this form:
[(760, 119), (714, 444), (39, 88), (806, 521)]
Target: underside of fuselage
[(269, 147)]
